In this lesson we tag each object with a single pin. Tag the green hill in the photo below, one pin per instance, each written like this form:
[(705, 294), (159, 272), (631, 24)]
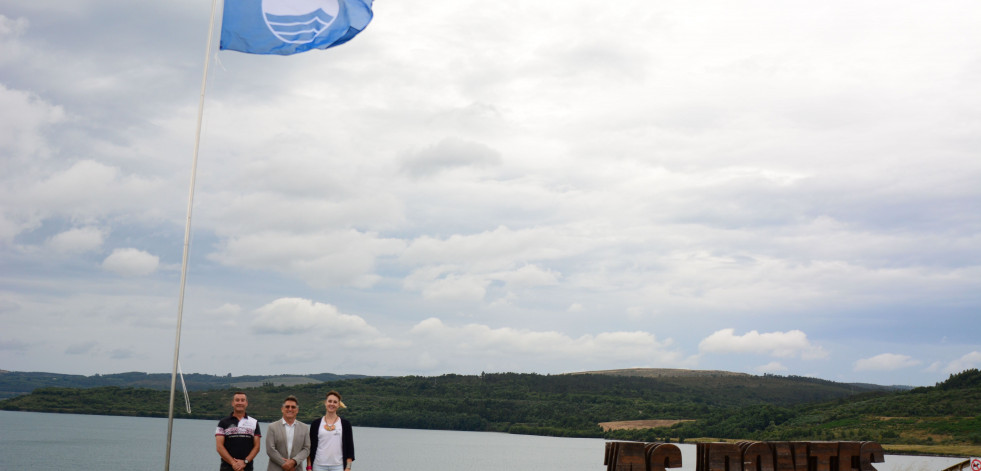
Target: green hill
[(663, 373), (526, 403), (15, 383), (715, 406), (946, 414)]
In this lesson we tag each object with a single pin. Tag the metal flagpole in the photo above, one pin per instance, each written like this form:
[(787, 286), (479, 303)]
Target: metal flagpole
[(187, 233)]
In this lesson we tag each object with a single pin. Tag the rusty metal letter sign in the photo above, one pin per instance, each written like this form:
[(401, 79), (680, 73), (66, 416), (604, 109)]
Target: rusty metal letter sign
[(641, 456), (746, 456)]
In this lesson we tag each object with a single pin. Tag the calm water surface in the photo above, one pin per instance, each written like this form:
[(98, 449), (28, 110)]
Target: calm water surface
[(31, 440)]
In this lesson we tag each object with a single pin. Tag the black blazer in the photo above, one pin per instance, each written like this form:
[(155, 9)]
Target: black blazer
[(347, 440)]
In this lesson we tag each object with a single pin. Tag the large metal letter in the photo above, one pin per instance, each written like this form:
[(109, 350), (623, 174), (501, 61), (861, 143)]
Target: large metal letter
[(662, 456), (758, 456), (871, 453), (822, 453), (849, 454), (630, 456), (790, 456), (724, 457)]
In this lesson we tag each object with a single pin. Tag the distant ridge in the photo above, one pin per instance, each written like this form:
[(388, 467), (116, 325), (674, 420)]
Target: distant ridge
[(662, 373), (612, 404), (16, 383)]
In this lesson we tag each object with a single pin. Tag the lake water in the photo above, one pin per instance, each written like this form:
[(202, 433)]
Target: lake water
[(31, 440)]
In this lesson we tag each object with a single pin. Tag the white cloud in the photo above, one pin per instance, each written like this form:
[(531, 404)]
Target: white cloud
[(451, 153), (297, 200), (636, 312), (968, 361), (12, 27), (455, 287), (640, 348), (320, 259), (131, 262), (78, 240), (489, 251), (291, 316), (24, 122), (788, 344), (463, 266), (84, 191), (885, 362), (12, 225), (528, 276), (449, 282), (24, 119)]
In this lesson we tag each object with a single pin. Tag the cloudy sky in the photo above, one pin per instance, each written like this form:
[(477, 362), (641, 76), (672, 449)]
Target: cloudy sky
[(766, 186)]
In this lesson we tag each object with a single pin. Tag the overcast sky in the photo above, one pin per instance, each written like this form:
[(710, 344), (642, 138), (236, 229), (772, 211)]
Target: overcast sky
[(772, 186)]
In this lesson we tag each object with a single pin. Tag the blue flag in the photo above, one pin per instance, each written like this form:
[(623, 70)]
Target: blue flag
[(291, 26)]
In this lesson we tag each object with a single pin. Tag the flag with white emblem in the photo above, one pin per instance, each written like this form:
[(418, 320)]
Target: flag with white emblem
[(290, 26)]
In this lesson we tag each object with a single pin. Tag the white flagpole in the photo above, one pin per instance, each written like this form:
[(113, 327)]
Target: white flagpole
[(187, 232)]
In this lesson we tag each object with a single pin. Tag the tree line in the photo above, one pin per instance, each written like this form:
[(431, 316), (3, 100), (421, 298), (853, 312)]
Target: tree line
[(734, 407)]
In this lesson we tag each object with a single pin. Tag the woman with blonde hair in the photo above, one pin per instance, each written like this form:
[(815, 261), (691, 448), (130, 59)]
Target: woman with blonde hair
[(331, 440)]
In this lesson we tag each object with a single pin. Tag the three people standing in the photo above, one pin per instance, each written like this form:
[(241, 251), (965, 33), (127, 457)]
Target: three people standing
[(327, 444)]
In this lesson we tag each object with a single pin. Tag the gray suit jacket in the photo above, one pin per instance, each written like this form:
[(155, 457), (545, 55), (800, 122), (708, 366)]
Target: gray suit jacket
[(276, 445)]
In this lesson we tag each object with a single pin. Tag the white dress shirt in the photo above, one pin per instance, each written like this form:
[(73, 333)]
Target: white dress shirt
[(289, 437)]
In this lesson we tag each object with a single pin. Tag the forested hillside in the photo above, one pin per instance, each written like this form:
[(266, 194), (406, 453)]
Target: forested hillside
[(948, 413), (715, 407), (527, 403)]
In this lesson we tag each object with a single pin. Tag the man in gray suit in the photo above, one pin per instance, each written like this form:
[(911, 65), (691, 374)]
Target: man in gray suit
[(288, 443)]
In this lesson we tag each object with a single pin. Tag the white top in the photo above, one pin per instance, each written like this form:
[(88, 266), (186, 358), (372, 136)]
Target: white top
[(290, 428), (329, 452)]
